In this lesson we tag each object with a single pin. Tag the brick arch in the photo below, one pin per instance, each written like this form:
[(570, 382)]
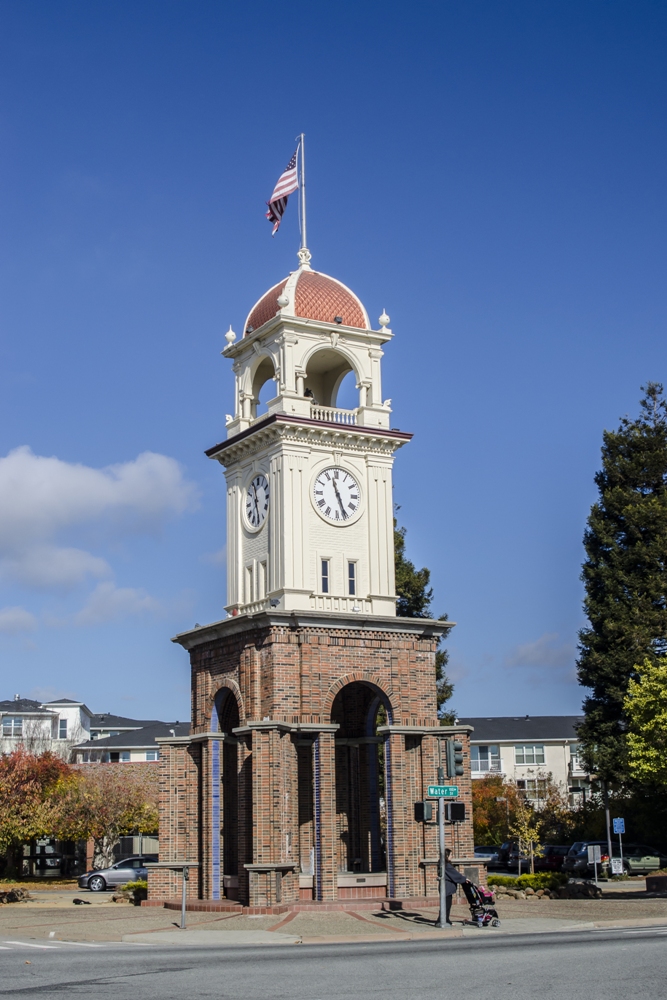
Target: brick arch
[(363, 677), (232, 686)]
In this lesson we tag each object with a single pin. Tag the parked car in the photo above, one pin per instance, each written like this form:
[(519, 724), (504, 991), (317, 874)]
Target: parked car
[(504, 852), (576, 861), (123, 871), (513, 859), (638, 859), (488, 855), (552, 858)]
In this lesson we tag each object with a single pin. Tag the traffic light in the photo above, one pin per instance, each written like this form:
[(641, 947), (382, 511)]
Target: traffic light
[(454, 758), (423, 812), (456, 812)]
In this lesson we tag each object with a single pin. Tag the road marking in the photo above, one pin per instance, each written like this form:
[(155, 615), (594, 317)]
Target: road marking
[(26, 944), (81, 944)]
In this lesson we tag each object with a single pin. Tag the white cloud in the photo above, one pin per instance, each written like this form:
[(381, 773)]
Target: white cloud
[(42, 499), (545, 652), (15, 620), (108, 603)]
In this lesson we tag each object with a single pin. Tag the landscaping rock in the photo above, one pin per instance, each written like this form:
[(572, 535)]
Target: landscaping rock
[(17, 895)]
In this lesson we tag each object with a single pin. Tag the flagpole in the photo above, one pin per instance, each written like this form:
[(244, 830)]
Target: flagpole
[(303, 255), (304, 242)]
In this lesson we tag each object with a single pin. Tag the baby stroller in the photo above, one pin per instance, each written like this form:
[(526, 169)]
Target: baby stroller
[(481, 902)]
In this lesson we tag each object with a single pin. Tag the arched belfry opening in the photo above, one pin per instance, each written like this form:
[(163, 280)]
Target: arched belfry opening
[(325, 371), (261, 392), (358, 709), (227, 711)]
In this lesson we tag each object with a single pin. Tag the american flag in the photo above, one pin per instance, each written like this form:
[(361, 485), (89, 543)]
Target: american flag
[(287, 183)]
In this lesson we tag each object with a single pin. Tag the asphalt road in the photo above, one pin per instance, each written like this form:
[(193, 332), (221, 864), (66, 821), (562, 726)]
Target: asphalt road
[(595, 965)]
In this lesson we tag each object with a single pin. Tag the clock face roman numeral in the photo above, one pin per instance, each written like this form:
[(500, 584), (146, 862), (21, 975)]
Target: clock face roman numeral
[(336, 494)]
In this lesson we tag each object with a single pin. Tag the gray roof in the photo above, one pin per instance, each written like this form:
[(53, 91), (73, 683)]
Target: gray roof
[(104, 720), (523, 728), (21, 705), (136, 739)]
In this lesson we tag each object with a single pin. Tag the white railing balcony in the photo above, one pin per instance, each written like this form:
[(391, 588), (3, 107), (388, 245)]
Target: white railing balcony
[(332, 414), (486, 766)]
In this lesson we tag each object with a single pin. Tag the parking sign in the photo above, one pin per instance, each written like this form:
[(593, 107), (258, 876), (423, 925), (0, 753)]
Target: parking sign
[(619, 825), (616, 866)]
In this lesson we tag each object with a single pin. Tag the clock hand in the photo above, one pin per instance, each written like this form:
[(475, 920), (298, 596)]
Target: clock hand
[(342, 509)]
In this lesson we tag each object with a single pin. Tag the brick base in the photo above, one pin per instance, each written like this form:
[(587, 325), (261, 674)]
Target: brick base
[(227, 906)]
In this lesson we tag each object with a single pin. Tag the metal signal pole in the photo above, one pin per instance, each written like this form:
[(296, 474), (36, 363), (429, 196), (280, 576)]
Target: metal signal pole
[(442, 915)]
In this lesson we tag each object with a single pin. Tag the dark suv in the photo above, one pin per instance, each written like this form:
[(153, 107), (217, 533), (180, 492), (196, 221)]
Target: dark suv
[(551, 859), (576, 861)]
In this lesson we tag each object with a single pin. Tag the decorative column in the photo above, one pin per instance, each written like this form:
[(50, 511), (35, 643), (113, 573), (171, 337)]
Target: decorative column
[(324, 791), (272, 869)]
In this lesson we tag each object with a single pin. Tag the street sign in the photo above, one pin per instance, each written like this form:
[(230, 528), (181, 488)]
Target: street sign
[(619, 825), (443, 791), (594, 854), (616, 866)]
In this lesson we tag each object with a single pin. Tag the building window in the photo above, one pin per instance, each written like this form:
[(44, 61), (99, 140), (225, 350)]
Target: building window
[(575, 759), (325, 576), (484, 758), (529, 753), (125, 755), (62, 729), (152, 755), (352, 578), (12, 726), (248, 585), (534, 789)]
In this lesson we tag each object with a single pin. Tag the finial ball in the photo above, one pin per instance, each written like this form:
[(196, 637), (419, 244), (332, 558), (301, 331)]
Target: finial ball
[(384, 319), (230, 336), (283, 301)]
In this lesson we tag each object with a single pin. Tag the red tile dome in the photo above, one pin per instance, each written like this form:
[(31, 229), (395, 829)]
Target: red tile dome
[(309, 295)]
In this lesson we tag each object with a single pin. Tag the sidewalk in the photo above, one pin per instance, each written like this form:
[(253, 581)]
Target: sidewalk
[(52, 915)]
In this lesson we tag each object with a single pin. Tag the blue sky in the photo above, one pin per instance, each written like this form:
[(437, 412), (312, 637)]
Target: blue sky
[(493, 174)]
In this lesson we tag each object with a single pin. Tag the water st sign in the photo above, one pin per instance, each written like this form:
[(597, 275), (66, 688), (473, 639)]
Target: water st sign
[(619, 825), (443, 791)]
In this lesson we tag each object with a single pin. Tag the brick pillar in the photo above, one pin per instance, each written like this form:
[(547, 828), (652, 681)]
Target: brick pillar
[(274, 875), (324, 789), (180, 765), (405, 876), (245, 824)]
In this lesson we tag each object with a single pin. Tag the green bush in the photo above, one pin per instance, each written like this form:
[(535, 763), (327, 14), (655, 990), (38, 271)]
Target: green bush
[(139, 883), (542, 880)]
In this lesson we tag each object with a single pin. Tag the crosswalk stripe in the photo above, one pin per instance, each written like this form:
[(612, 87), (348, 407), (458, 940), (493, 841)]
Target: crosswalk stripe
[(27, 944)]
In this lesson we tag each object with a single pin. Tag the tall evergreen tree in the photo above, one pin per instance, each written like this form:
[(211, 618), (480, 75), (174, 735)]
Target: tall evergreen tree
[(625, 579), (414, 601)]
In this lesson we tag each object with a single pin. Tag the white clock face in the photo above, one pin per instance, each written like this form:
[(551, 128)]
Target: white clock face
[(336, 494), (257, 501)]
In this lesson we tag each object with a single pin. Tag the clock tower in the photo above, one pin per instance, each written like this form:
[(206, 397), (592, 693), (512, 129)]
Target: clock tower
[(314, 716), (309, 492)]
